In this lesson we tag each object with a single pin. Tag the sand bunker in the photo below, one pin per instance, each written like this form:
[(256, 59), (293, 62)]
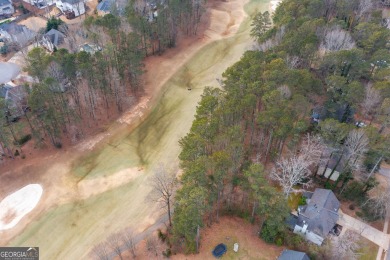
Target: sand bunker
[(274, 4), (15, 206)]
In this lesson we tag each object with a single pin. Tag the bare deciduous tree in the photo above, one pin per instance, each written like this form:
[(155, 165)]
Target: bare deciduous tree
[(294, 170), (100, 251), (371, 102), (356, 145), (290, 172), (292, 62), (380, 203), (128, 241), (152, 247), (365, 8), (335, 39), (115, 244), (312, 148), (345, 246), (164, 184)]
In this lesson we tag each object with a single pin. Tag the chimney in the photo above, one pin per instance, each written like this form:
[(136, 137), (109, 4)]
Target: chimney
[(304, 228)]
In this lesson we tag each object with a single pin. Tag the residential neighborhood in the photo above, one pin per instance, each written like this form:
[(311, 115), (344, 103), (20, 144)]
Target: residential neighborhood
[(6, 8)]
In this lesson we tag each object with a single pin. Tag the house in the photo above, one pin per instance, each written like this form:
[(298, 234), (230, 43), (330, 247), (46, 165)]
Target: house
[(16, 100), (6, 8), (385, 2), (318, 217), (15, 33), (72, 7), (40, 3), (293, 255), (52, 39), (105, 7), (332, 164), (90, 48)]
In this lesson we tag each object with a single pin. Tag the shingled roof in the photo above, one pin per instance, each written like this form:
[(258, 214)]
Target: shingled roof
[(56, 37), (321, 213), (293, 255)]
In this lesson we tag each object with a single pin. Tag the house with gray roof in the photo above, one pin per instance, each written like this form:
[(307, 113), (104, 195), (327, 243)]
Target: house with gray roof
[(15, 98), (293, 255), (6, 8), (52, 39), (75, 7), (318, 217), (15, 33), (105, 7)]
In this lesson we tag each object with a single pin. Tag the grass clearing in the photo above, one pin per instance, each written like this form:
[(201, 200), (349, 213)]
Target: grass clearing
[(368, 249), (293, 200), (232, 230)]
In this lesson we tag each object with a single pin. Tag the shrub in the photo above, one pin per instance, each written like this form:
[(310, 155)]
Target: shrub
[(161, 235), (24, 139), (354, 192), (328, 186), (279, 241), (167, 252), (58, 145), (302, 201), (351, 206), (4, 50)]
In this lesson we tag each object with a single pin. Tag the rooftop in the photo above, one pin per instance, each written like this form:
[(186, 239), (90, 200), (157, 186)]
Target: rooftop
[(321, 213), (293, 255), (56, 37), (105, 5), (4, 2)]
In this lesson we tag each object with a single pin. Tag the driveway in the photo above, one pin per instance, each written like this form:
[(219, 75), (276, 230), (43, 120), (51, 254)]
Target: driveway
[(374, 235)]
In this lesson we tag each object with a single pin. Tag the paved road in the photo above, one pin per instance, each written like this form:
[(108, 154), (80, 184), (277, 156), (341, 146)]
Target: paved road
[(374, 235), (8, 71), (385, 171)]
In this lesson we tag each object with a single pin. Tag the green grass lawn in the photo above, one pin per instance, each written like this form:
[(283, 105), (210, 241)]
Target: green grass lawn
[(368, 250)]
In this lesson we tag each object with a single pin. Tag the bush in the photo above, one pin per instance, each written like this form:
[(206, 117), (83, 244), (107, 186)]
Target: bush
[(354, 192), (279, 241), (167, 252), (24, 139), (269, 233), (58, 145), (17, 153), (53, 23), (328, 186), (161, 235), (302, 201), (4, 50), (351, 206)]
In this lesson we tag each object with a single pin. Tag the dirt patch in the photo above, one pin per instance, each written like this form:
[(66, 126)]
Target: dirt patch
[(34, 23), (232, 230)]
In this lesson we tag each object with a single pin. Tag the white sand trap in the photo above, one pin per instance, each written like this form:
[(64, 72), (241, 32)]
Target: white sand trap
[(274, 4), (15, 206)]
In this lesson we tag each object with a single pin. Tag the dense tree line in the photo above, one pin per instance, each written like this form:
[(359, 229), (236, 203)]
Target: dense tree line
[(159, 25), (283, 110), (76, 89)]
